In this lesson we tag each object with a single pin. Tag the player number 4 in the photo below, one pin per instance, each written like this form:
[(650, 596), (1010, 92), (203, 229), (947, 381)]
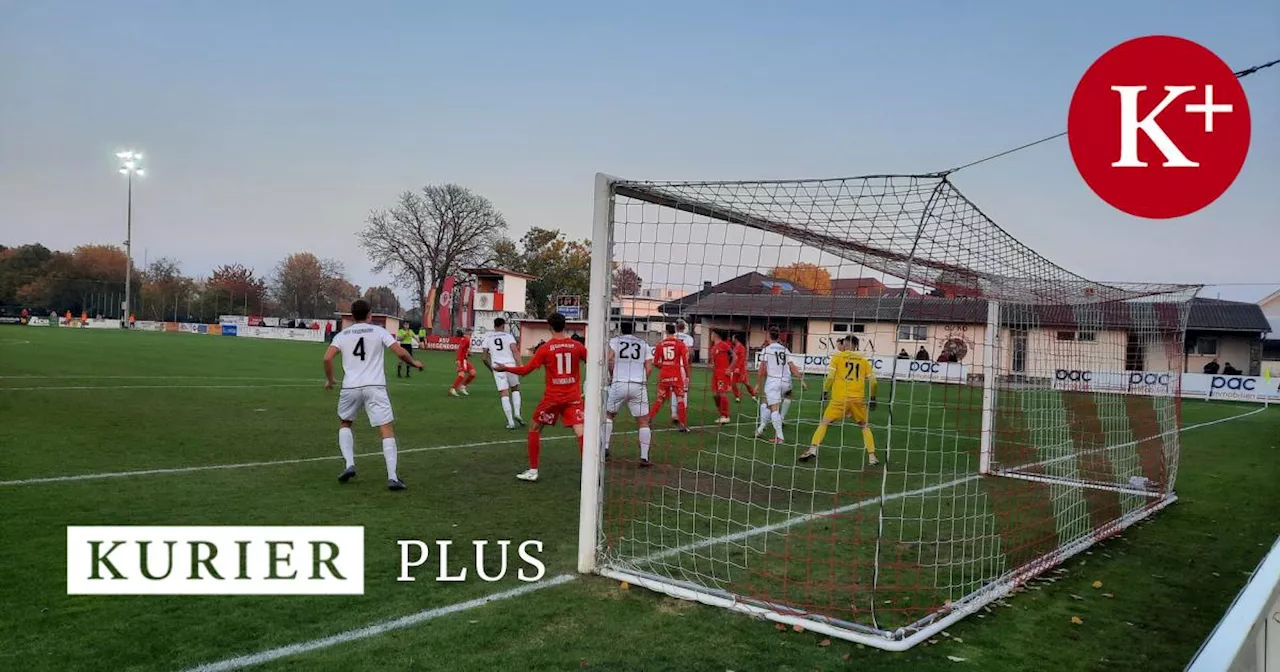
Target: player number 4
[(358, 351)]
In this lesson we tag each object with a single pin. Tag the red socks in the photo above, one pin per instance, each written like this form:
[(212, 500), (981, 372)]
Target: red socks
[(535, 449), (722, 402), (580, 447), (682, 411), (457, 381)]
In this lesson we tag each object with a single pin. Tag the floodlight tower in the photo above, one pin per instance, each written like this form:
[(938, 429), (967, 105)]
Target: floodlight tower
[(130, 165)]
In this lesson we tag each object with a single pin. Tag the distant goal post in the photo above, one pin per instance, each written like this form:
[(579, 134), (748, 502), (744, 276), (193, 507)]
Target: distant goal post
[(978, 469)]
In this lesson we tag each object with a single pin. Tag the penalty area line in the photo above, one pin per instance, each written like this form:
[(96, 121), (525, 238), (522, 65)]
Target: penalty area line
[(273, 463), (376, 629)]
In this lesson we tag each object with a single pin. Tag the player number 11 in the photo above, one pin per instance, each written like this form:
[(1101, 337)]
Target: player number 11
[(564, 363)]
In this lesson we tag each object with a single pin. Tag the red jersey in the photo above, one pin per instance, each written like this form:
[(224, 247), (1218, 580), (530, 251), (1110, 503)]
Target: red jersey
[(740, 352), (720, 356), (562, 357), (464, 347), (670, 356)]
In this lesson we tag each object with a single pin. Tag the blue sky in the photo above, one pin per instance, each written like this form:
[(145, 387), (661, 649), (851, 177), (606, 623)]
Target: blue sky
[(274, 127)]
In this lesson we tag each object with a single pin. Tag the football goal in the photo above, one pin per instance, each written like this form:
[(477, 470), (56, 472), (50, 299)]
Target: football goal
[(894, 414)]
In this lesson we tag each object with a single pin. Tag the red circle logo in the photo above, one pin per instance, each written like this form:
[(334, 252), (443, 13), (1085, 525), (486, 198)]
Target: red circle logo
[(1159, 127)]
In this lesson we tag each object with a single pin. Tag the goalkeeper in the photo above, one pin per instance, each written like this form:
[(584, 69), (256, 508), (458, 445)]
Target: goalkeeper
[(850, 389)]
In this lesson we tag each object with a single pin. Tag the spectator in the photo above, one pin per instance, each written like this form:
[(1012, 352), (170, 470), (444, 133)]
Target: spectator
[(1228, 370), (903, 354), (944, 358), (922, 355), (1212, 367)]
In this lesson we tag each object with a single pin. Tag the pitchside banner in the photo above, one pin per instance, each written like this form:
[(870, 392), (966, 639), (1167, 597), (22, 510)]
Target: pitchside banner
[(1235, 388), (889, 367), (215, 560)]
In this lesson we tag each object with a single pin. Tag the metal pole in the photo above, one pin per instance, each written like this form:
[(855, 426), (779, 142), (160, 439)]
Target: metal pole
[(128, 249)]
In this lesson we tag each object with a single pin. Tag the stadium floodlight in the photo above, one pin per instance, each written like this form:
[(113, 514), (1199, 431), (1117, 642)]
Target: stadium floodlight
[(130, 165), (1024, 413)]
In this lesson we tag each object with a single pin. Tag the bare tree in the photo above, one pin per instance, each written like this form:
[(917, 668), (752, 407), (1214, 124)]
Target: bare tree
[(430, 235)]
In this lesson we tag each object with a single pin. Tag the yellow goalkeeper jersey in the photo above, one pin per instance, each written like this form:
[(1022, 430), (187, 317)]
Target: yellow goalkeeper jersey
[(850, 377)]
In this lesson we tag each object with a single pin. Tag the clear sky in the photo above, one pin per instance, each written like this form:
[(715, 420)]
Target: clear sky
[(274, 127)]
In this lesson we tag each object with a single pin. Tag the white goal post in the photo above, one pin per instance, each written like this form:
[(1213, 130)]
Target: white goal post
[(964, 418)]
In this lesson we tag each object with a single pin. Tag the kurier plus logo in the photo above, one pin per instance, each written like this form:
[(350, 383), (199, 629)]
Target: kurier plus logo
[(1159, 127), (215, 560)]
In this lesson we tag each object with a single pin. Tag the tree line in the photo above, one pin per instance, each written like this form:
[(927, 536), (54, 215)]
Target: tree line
[(422, 239), (91, 278)]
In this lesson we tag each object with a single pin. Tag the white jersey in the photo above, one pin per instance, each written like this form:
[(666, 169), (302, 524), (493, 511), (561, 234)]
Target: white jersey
[(629, 356), (687, 340), (363, 345), (501, 347), (778, 359)]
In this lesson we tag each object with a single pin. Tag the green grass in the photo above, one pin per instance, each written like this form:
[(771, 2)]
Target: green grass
[(154, 401)]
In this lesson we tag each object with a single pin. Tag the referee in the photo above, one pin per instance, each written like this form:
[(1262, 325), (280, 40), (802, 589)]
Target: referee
[(405, 336)]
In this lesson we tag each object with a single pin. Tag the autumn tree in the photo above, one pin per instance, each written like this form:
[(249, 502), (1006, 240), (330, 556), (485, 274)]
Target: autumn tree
[(308, 286), (560, 267), (237, 289), (20, 266), (626, 282), (810, 276), (165, 291), (53, 286), (382, 299), (430, 235)]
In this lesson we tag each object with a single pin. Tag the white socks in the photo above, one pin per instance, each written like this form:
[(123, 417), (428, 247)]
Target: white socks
[(645, 435), (764, 417), (776, 417), (608, 433), (506, 408), (786, 405), (347, 444), (389, 452), (515, 403)]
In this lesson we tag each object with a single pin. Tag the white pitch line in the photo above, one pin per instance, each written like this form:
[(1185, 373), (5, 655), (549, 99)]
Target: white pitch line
[(272, 463), (76, 388), (376, 629), (246, 465), (36, 376)]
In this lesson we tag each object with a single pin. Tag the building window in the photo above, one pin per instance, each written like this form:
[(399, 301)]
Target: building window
[(840, 328), (1206, 346), (615, 310), (859, 328), (1083, 336), (913, 332)]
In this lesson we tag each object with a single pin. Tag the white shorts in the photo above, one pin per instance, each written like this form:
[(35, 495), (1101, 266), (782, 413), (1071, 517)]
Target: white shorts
[(376, 403), (635, 395), (505, 380), (774, 389)]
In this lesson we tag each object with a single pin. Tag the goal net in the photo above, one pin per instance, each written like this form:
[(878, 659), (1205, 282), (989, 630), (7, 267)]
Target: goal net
[(1018, 414)]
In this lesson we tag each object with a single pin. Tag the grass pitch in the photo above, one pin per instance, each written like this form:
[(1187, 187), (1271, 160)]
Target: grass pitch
[(87, 403)]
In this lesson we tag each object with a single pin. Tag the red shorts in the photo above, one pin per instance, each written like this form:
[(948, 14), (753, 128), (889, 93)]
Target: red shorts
[(570, 413), (740, 376), (721, 382), (671, 386)]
